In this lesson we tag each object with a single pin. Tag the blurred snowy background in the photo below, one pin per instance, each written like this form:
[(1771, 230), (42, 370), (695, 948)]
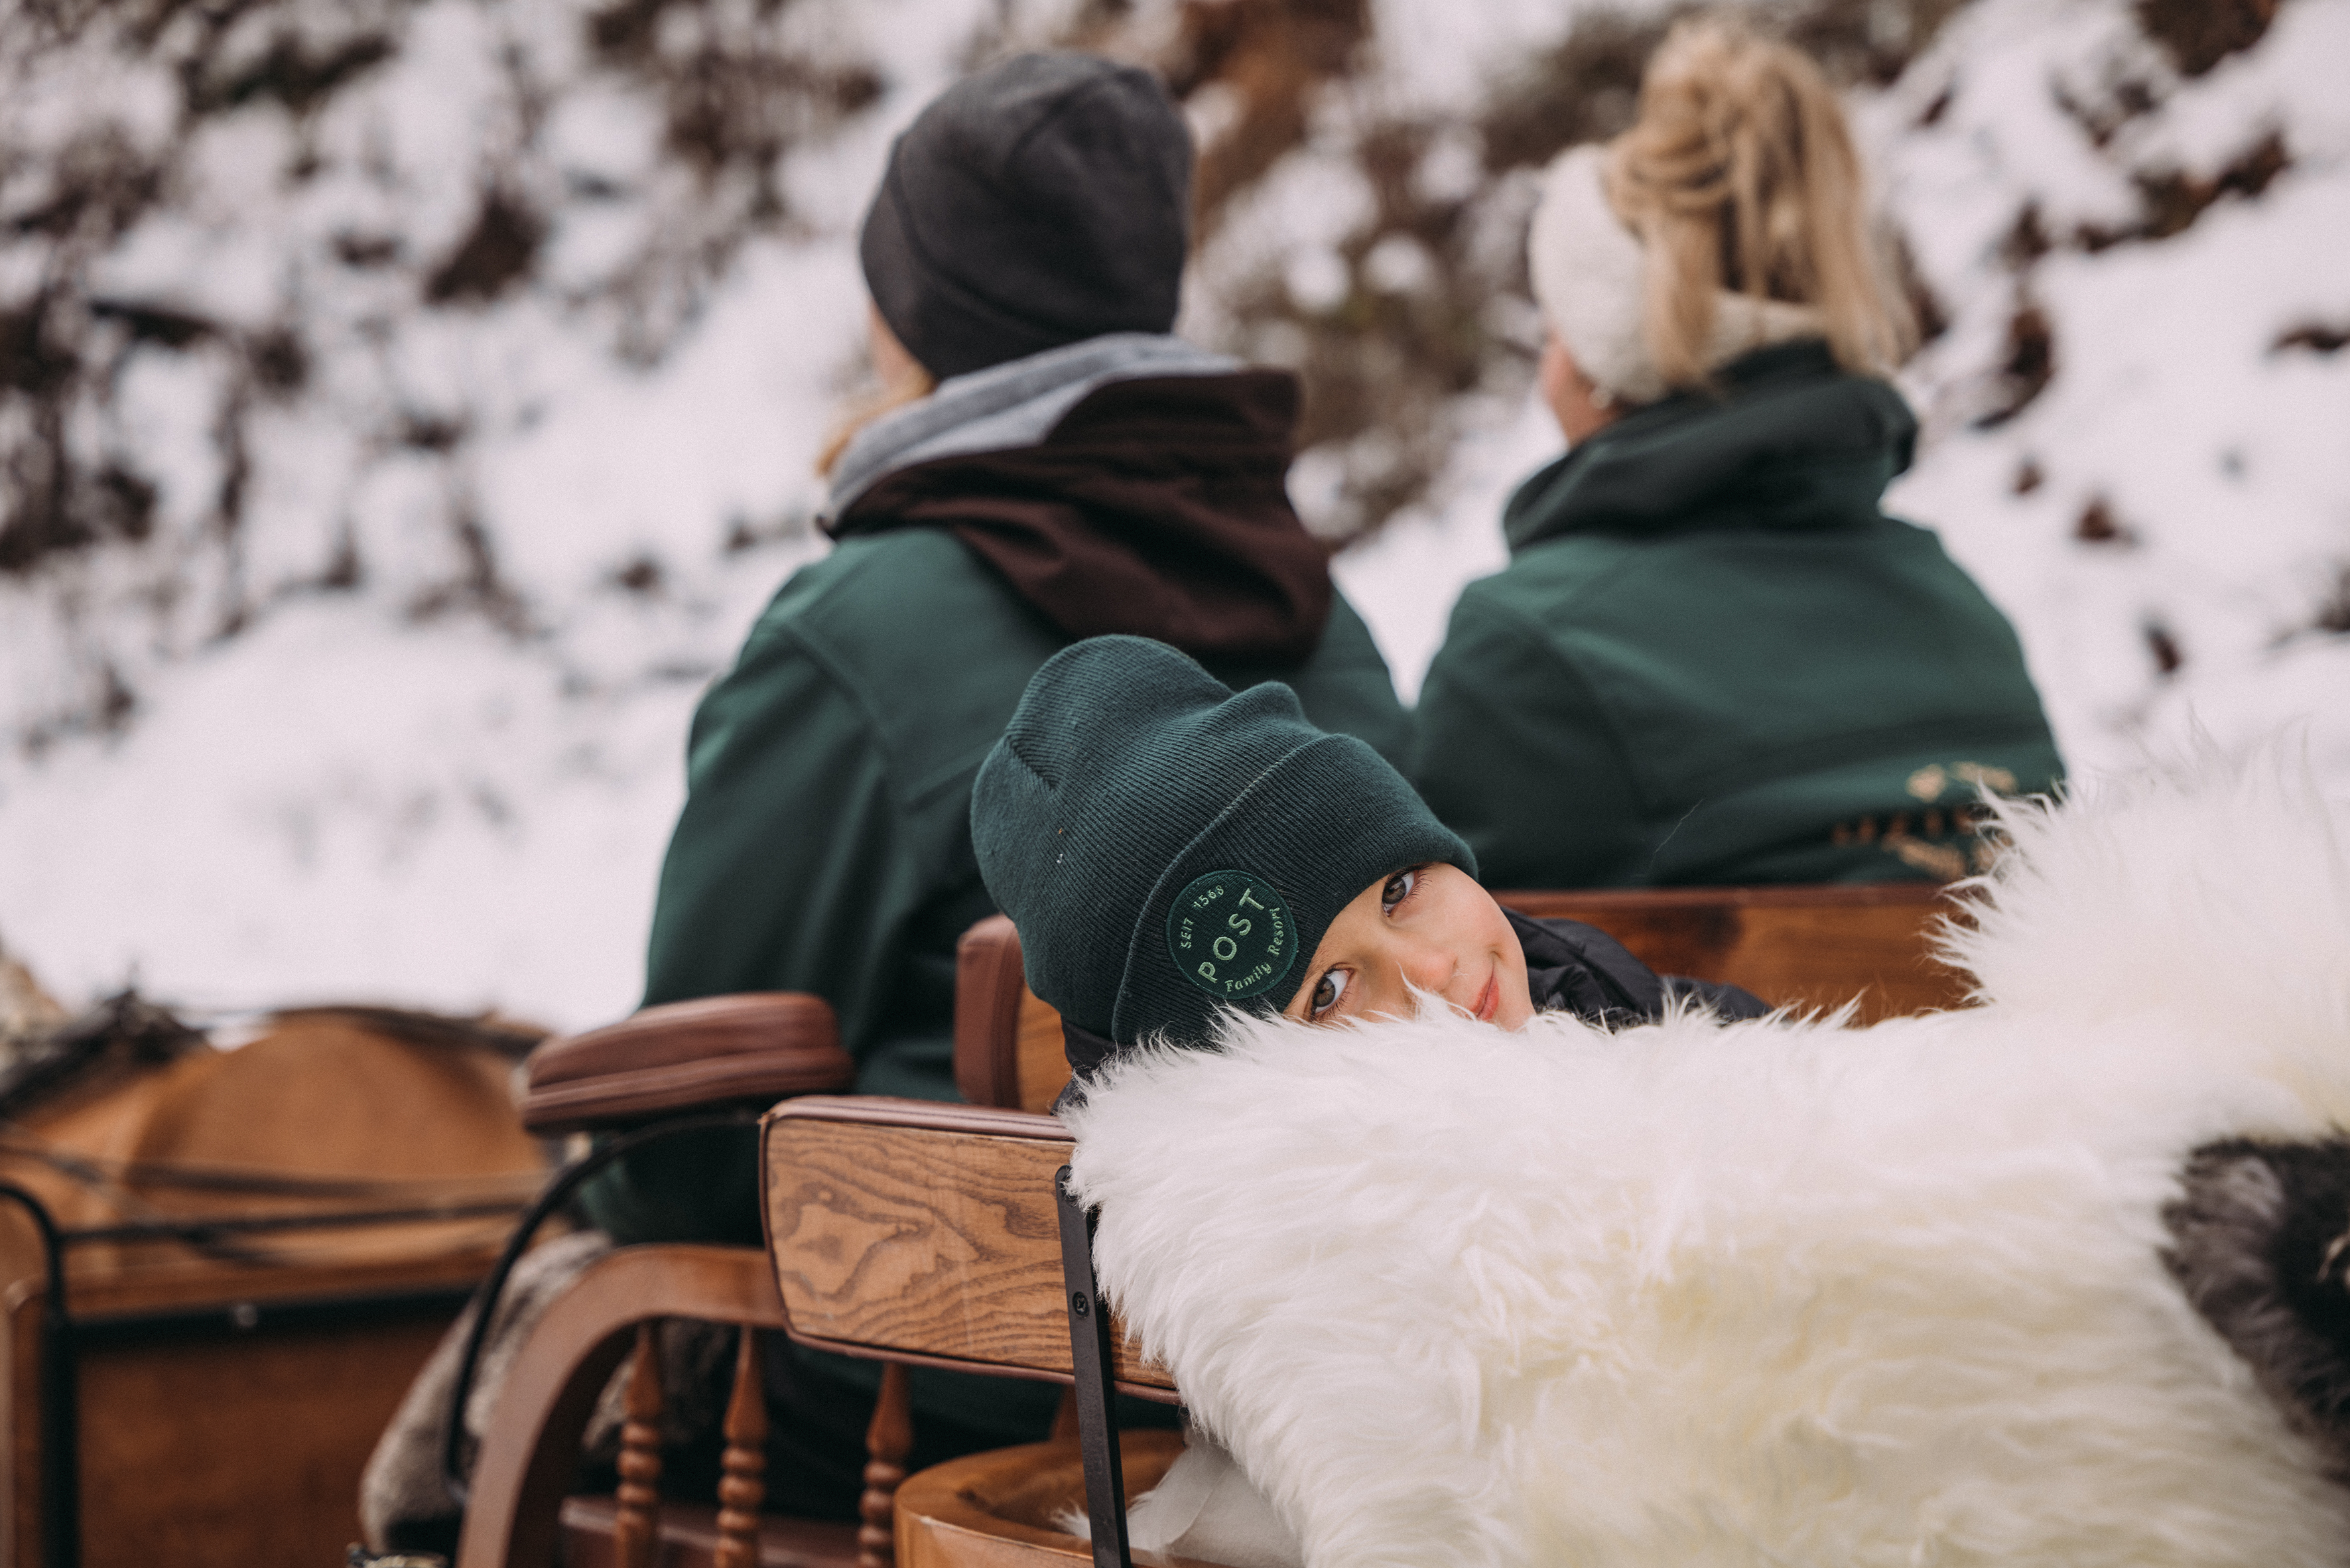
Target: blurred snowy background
[(406, 405)]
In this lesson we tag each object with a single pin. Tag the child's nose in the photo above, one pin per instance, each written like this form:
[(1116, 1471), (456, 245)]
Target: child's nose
[(1428, 965)]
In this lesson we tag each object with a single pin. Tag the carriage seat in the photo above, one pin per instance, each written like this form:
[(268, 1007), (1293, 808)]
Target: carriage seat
[(748, 1050)]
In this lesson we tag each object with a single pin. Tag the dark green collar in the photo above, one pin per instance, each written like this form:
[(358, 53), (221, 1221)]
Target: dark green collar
[(1788, 440)]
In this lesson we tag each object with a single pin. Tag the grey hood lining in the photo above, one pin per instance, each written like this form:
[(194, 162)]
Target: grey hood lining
[(1009, 406)]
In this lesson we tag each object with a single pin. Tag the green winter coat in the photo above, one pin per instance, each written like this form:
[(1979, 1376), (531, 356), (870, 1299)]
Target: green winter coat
[(1713, 661), (825, 840)]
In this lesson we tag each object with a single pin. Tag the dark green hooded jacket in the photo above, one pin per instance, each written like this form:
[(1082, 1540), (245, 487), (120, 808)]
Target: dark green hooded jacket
[(825, 840), (1713, 660)]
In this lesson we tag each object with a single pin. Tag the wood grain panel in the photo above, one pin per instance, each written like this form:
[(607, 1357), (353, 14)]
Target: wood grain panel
[(998, 1510), (1044, 1060), (923, 1240), (1813, 947)]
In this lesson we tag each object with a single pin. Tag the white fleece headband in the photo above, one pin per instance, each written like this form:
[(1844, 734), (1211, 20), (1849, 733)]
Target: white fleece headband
[(1588, 272)]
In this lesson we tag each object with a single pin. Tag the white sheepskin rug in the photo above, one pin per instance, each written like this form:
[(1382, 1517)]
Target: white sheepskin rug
[(1782, 1292)]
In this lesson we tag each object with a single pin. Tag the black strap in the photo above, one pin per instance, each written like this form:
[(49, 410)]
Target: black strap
[(1090, 1354), (455, 1467)]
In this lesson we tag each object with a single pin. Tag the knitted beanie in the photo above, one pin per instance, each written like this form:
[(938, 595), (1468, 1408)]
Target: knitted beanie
[(1168, 848), (1589, 274), (1038, 203)]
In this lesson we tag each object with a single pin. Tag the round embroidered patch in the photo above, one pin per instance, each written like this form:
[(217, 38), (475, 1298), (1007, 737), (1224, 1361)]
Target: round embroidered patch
[(1231, 936)]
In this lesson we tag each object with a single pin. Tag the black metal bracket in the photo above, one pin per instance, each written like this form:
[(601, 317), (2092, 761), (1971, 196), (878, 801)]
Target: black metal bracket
[(1089, 1351), (60, 1396)]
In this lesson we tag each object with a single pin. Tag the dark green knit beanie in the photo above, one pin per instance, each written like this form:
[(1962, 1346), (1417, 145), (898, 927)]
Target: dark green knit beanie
[(1167, 847)]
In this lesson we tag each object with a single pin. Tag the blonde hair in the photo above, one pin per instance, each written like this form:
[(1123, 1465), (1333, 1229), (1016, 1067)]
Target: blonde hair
[(863, 411), (1740, 175)]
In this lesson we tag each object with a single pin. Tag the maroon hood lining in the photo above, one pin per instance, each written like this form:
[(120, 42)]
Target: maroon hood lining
[(1155, 507)]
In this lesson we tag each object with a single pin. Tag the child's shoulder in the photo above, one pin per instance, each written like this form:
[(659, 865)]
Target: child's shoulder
[(1577, 968)]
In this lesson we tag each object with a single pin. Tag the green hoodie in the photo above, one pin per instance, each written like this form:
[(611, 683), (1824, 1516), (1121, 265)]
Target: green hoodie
[(1712, 659), (825, 840)]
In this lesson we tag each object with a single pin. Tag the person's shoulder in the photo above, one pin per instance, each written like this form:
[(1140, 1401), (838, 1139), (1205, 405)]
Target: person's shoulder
[(855, 606), (1347, 644), (1547, 591), (927, 645), (1900, 537), (873, 573), (1566, 567)]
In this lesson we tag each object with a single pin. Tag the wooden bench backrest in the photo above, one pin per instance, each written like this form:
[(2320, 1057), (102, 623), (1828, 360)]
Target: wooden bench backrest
[(924, 1233), (1802, 946)]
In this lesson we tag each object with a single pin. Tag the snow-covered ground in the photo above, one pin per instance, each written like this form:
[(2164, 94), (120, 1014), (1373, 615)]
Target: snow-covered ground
[(375, 680)]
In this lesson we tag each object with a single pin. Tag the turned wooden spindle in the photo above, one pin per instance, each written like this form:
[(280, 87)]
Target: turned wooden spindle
[(742, 1489), (887, 1442), (635, 1523)]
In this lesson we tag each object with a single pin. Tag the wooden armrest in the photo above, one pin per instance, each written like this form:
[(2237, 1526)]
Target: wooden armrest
[(756, 1048)]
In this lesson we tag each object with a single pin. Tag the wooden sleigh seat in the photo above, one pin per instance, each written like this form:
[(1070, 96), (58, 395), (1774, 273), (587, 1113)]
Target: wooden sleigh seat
[(923, 1234), (906, 1232), (686, 1059)]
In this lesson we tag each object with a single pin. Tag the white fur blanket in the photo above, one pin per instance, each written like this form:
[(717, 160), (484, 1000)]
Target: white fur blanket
[(1782, 1291)]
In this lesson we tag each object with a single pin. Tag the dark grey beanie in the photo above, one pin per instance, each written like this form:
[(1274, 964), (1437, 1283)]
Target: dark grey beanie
[(1167, 847), (1041, 202)]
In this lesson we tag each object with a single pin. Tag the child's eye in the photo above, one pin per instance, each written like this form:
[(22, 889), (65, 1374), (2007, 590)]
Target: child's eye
[(1327, 991), (1399, 889)]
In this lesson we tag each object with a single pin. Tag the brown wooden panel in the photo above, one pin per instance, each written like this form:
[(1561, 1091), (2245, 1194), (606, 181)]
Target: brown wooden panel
[(214, 1447), (940, 1239), (1044, 1070), (236, 1451), (1007, 1042), (989, 991), (998, 1509), (1814, 947)]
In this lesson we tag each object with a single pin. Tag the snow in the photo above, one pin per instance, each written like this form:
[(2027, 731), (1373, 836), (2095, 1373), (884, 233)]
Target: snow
[(412, 727), (2223, 457)]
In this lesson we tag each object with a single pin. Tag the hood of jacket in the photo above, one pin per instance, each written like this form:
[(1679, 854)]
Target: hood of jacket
[(1125, 484), (1789, 441)]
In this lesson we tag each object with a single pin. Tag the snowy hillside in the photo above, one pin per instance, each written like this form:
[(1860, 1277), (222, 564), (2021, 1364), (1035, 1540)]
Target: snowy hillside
[(405, 404)]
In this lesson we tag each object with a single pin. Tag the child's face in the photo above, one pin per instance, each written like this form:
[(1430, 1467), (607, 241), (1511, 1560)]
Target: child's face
[(1431, 926)]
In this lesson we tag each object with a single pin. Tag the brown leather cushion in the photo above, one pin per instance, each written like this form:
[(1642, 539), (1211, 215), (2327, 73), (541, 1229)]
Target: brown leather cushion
[(757, 1047)]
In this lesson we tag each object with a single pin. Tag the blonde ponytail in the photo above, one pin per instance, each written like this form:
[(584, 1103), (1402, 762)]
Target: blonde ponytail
[(1740, 175)]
